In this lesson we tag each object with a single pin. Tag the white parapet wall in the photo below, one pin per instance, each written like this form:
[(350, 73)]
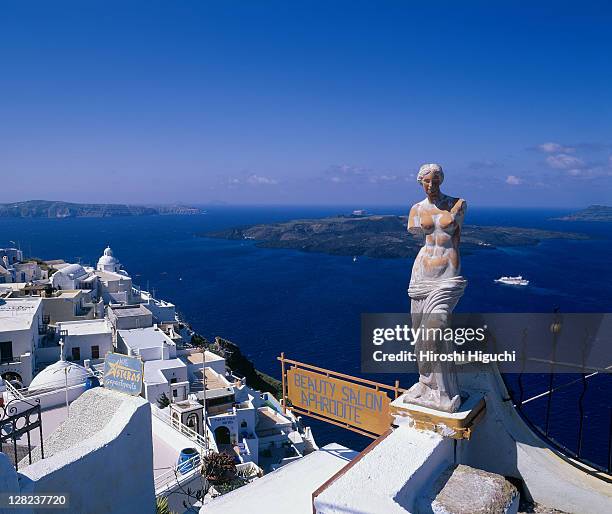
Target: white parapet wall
[(9, 482), (388, 476), (287, 490), (101, 456)]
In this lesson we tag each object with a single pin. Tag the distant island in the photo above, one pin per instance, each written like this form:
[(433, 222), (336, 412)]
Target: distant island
[(50, 209), (382, 236), (591, 213)]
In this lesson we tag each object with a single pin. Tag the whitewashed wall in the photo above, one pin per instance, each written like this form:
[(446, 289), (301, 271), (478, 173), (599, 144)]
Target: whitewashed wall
[(109, 472)]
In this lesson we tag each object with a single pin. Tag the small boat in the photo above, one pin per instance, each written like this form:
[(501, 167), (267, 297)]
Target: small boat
[(513, 281), (355, 258)]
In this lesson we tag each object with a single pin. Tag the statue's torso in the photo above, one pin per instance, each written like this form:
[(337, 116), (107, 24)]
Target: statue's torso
[(439, 256)]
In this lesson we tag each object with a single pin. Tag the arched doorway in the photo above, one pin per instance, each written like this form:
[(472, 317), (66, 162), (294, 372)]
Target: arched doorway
[(14, 378), (222, 435)]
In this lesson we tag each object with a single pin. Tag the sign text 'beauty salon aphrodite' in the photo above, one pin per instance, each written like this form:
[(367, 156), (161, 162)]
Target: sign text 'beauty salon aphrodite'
[(357, 405)]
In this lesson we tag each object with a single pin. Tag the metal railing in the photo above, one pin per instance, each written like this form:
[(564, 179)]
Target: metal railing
[(174, 475), (544, 429), (17, 421), (13, 359), (15, 393), (580, 385), (200, 440), (57, 385)]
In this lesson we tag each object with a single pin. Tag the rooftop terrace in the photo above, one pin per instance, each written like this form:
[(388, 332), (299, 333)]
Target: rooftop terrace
[(196, 358), (126, 311), (18, 313), (84, 327)]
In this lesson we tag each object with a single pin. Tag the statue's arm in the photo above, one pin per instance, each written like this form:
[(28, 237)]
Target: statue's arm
[(458, 213), (414, 220), (458, 210)]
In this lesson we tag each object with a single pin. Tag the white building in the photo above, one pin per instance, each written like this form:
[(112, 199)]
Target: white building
[(6, 276), (28, 272), (164, 373), (163, 312), (253, 423), (167, 377), (126, 317), (68, 305), (12, 255), (246, 423), (74, 276), (21, 323), (87, 339), (193, 359), (115, 285), (12, 270), (8, 258)]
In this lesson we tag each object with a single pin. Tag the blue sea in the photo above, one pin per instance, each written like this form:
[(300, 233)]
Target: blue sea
[(309, 305)]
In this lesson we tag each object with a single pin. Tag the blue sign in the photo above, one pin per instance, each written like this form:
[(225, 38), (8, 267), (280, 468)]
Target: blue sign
[(123, 373)]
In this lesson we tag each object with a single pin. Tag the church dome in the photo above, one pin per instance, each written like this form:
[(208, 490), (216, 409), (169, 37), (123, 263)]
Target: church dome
[(54, 376), (108, 261)]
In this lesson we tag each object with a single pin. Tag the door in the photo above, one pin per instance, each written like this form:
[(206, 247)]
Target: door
[(222, 435)]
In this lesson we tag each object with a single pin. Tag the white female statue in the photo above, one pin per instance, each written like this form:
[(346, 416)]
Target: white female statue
[(436, 285)]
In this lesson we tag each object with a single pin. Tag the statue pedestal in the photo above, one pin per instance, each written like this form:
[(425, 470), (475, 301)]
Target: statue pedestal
[(456, 425)]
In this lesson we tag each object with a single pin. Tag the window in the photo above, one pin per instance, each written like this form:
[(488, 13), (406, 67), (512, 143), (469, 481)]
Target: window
[(95, 352), (173, 380), (219, 401), (6, 351), (76, 353), (174, 393)]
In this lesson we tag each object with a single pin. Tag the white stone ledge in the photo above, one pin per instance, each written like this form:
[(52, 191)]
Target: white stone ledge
[(390, 477)]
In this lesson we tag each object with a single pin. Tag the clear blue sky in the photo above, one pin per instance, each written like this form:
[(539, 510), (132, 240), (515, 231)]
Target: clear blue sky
[(305, 102)]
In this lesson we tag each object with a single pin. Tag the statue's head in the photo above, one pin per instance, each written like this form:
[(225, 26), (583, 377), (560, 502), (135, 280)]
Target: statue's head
[(430, 176)]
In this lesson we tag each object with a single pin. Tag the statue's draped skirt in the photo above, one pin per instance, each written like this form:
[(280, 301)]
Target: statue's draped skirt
[(431, 303)]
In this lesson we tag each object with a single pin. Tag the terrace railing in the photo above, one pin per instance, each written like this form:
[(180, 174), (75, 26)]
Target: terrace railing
[(544, 429), (173, 476), (17, 421), (203, 442)]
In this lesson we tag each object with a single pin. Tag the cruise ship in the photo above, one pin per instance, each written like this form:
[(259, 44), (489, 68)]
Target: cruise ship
[(513, 281)]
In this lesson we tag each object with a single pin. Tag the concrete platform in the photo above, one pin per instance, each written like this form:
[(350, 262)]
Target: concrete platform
[(389, 475)]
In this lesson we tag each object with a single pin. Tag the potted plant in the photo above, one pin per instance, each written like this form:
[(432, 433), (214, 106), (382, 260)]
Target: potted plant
[(219, 468), (163, 401)]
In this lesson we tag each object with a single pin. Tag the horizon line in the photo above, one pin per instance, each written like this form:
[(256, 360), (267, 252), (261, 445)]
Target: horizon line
[(215, 204)]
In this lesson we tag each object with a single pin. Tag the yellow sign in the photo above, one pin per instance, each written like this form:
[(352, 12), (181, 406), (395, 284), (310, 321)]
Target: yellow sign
[(353, 404)]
